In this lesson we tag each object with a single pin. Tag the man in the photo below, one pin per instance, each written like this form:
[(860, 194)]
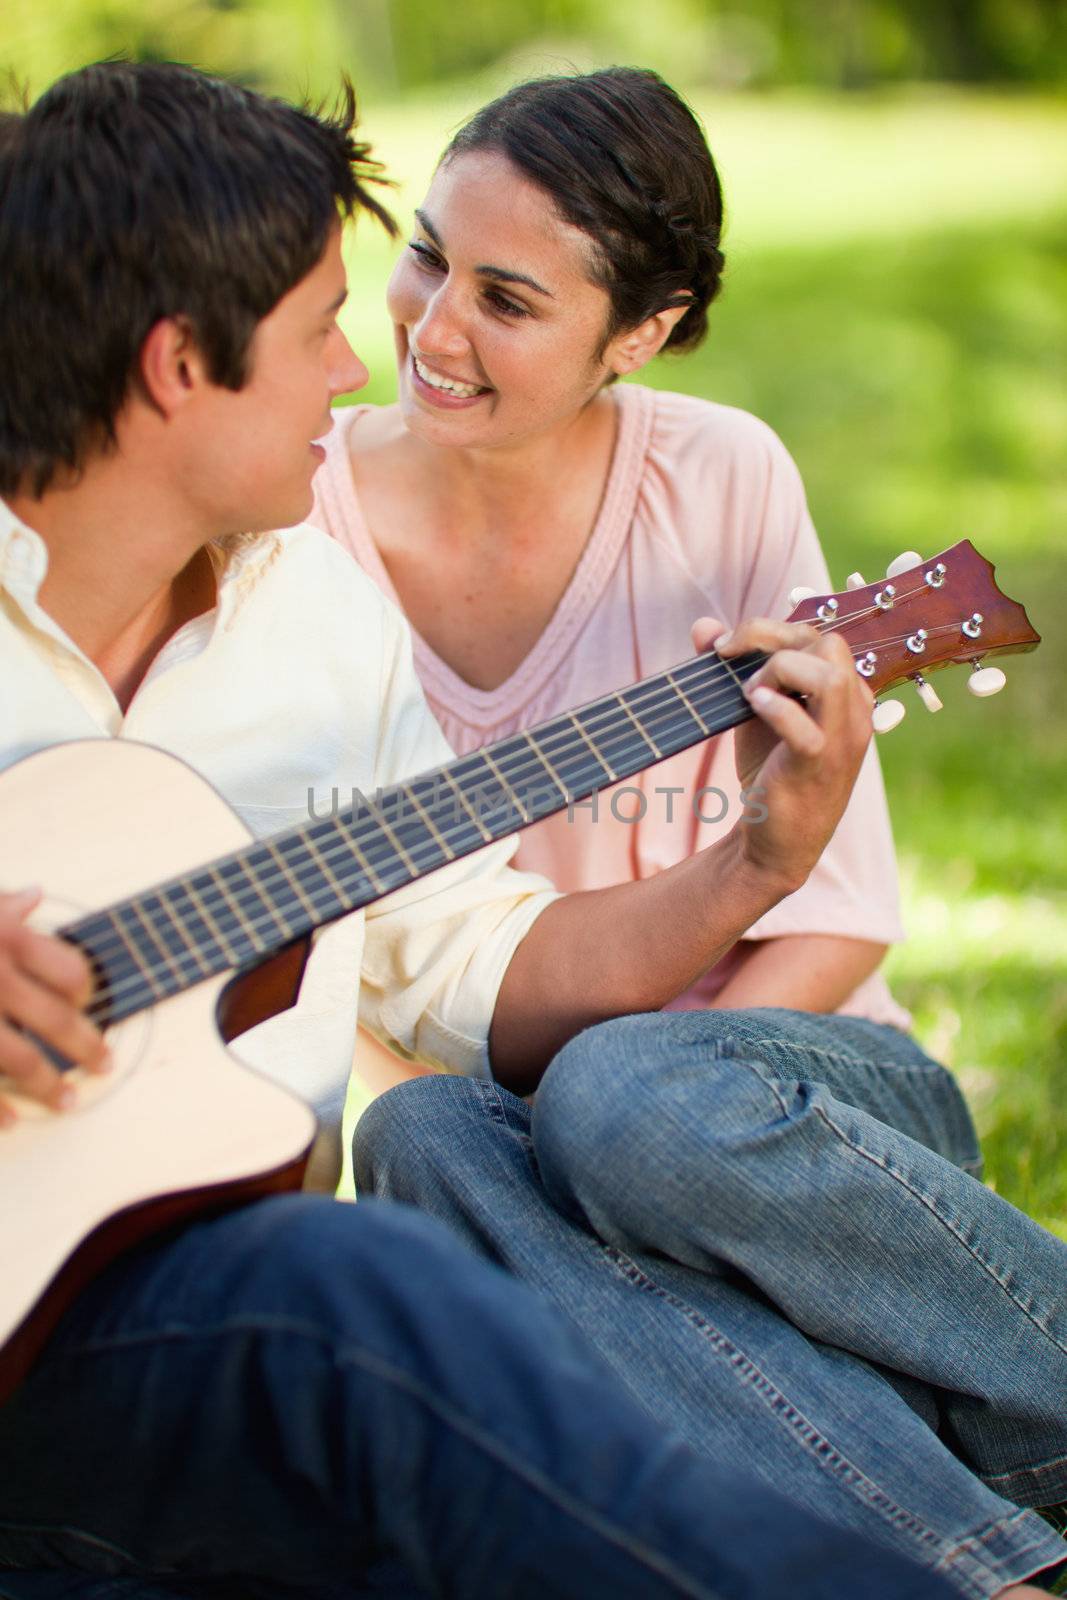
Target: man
[(303, 1397)]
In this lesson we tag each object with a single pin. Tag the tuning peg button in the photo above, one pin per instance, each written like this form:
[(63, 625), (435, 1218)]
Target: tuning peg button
[(985, 681), (906, 559), (886, 715), (801, 592), (855, 580), (928, 694)]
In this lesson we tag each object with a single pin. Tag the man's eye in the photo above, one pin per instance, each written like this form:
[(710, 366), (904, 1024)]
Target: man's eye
[(427, 257)]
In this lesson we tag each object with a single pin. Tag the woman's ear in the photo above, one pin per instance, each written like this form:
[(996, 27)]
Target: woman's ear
[(630, 351)]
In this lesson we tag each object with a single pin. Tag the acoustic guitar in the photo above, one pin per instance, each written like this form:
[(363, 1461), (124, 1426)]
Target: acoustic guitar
[(195, 931)]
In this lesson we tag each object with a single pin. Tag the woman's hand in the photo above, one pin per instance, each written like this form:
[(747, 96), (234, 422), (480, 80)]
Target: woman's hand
[(44, 985), (805, 746)]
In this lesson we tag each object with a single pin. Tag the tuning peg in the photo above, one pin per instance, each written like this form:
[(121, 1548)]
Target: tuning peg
[(855, 580), (906, 559), (985, 681), (801, 592), (927, 693), (886, 715)]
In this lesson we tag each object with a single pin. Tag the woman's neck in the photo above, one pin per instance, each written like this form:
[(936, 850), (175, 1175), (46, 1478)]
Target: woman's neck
[(480, 546)]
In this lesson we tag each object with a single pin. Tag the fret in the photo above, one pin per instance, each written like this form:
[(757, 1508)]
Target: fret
[(391, 833), (549, 766), (160, 944), (337, 888), (292, 878), (658, 754), (141, 971), (514, 800), (611, 737), (609, 773), (342, 828), (536, 798), (222, 942), (188, 944), (239, 872), (117, 968), (739, 682), (431, 824), (457, 790), (689, 706)]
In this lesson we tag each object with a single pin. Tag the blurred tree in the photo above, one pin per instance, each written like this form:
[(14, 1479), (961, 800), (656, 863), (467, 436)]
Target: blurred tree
[(397, 45)]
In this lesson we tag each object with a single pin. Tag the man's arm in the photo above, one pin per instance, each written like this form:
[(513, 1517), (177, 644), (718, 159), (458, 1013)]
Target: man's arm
[(635, 946)]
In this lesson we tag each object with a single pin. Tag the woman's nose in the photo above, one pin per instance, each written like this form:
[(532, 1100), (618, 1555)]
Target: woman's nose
[(441, 330)]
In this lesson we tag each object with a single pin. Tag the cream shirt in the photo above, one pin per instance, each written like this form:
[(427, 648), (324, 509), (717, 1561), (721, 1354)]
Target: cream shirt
[(298, 683)]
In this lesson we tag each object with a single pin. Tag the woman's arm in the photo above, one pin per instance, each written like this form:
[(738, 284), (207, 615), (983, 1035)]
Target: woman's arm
[(804, 971)]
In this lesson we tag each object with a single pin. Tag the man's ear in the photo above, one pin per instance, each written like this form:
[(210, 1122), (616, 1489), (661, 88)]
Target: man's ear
[(172, 365), (630, 351)]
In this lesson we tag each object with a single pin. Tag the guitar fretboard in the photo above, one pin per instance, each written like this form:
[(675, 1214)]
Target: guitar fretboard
[(237, 910)]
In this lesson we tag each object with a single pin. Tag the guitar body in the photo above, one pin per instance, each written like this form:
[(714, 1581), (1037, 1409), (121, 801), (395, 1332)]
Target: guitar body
[(178, 1125)]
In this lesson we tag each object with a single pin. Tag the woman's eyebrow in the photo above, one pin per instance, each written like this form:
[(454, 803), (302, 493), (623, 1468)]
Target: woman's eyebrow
[(485, 271)]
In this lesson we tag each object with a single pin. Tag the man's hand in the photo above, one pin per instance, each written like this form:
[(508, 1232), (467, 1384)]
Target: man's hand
[(804, 755), (44, 984)]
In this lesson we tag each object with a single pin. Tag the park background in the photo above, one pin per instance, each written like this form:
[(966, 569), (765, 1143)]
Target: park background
[(895, 307)]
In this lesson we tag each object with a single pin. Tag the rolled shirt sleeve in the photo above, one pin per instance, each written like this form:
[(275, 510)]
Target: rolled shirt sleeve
[(435, 953)]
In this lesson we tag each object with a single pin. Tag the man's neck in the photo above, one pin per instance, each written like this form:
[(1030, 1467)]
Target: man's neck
[(126, 569)]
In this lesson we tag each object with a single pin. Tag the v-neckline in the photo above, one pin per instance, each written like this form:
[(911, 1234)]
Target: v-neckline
[(486, 707)]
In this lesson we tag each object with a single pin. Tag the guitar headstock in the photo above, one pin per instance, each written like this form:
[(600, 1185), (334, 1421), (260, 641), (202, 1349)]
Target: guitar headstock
[(943, 612)]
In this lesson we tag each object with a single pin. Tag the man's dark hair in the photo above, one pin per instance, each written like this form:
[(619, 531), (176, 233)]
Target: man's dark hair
[(133, 191), (623, 158)]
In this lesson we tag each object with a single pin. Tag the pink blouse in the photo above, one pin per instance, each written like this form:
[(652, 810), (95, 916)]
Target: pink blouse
[(703, 514)]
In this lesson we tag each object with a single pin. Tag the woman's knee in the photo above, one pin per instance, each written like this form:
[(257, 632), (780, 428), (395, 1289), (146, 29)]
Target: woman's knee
[(400, 1129)]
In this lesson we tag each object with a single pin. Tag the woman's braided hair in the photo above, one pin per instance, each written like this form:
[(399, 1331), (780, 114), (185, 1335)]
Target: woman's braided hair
[(625, 160)]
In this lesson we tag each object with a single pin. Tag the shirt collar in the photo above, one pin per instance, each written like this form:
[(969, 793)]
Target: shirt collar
[(239, 562)]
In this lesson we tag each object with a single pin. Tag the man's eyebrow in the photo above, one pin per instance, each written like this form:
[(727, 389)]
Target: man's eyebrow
[(485, 271), (335, 305)]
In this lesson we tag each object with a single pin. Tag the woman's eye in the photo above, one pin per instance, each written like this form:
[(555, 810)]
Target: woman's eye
[(427, 257), (501, 303)]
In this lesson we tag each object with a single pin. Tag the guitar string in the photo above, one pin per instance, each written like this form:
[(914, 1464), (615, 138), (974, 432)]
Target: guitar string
[(421, 854), (425, 854)]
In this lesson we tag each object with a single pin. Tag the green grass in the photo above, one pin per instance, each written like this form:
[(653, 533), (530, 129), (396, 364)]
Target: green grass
[(896, 307)]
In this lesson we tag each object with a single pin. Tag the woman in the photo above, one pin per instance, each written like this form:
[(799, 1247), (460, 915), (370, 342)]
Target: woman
[(551, 537)]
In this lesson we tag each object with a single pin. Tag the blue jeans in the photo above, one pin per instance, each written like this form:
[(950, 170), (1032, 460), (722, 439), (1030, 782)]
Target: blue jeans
[(307, 1398), (767, 1223)]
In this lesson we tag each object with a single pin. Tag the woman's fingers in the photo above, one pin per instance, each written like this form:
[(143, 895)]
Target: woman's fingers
[(802, 662), (704, 632)]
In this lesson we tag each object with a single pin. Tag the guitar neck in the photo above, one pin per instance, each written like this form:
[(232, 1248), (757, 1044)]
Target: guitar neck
[(235, 911)]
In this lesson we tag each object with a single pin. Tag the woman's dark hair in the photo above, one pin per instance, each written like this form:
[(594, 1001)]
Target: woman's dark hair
[(625, 160), (135, 191)]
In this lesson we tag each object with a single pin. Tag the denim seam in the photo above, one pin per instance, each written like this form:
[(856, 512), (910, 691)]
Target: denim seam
[(981, 1580), (856, 1060), (799, 1424), (471, 1431), (898, 1177), (965, 1551), (1054, 1464)]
